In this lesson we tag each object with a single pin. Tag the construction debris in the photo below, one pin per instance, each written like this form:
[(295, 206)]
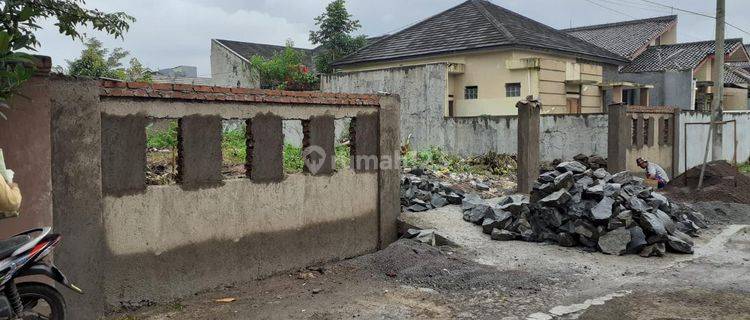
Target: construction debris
[(722, 182), (577, 205), (423, 189)]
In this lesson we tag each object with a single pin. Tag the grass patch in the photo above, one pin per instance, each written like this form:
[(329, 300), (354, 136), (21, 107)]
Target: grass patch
[(745, 168), (233, 147), (437, 160), (162, 139)]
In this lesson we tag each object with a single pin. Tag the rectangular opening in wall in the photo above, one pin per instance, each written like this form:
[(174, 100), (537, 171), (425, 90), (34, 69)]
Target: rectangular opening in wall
[(513, 89), (646, 132), (343, 143), (293, 162), (233, 148), (161, 151), (665, 131), (634, 132), (471, 92)]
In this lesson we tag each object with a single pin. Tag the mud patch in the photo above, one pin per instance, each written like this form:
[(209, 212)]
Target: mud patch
[(684, 304)]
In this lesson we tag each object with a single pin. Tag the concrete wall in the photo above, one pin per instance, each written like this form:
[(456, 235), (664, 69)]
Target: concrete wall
[(671, 88), (422, 88), (167, 242), (735, 99), (693, 141), (26, 143), (649, 141), (158, 243), (230, 70)]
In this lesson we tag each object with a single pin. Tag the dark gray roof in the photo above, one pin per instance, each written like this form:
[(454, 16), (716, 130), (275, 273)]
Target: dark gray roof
[(743, 65), (736, 75), (249, 49), (681, 56), (476, 24), (627, 38)]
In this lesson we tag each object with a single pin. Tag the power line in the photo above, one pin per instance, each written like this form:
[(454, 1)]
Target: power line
[(632, 5), (610, 9), (696, 13)]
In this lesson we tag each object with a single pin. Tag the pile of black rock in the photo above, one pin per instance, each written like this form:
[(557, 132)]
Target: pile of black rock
[(575, 205), (421, 193)]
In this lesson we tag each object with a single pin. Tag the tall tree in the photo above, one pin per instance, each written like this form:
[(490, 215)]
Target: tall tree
[(334, 34), (19, 24), (96, 61)]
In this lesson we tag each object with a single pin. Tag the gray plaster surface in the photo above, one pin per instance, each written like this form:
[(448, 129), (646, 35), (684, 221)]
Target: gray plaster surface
[(485, 279), (422, 90)]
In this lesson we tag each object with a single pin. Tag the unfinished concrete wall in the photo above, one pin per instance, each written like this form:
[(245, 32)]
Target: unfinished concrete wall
[(693, 140), (26, 143), (77, 189), (422, 90), (671, 88), (228, 69), (650, 135), (166, 242)]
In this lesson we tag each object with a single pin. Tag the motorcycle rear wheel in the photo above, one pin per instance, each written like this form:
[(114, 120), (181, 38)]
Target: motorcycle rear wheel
[(41, 301)]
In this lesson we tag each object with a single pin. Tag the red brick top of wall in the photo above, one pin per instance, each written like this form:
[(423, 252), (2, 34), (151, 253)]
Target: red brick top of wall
[(651, 109), (209, 93)]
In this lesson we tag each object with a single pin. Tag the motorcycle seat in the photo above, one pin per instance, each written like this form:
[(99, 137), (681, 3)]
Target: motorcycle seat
[(7, 246)]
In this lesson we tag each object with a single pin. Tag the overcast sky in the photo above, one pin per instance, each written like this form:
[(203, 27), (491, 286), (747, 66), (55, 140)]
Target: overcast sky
[(178, 32)]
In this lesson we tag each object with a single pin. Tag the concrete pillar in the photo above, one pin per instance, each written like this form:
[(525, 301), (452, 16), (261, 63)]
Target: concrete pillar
[(389, 176), (676, 125), (528, 143), (77, 186), (123, 154), (365, 143), (199, 151), (618, 138), (617, 95), (645, 97), (265, 148), (318, 145)]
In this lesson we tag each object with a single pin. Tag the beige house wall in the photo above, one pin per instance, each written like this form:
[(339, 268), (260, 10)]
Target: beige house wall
[(540, 74), (669, 37), (735, 99)]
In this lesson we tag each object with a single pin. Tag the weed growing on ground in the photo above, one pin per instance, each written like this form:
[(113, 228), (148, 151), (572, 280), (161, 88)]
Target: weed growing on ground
[(438, 160), (745, 168), (162, 139)]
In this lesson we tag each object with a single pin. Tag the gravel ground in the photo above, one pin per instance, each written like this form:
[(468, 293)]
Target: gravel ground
[(486, 279)]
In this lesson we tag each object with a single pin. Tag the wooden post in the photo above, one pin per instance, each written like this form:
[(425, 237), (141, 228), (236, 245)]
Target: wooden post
[(528, 143)]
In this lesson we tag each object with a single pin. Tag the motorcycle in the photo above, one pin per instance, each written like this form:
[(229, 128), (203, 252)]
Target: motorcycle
[(21, 256)]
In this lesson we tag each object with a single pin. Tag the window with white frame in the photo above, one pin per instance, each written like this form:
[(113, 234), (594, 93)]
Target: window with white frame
[(513, 89)]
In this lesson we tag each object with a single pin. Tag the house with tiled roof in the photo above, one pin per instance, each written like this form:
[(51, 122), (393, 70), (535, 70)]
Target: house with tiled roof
[(683, 74), (496, 57), (629, 38), (662, 71)]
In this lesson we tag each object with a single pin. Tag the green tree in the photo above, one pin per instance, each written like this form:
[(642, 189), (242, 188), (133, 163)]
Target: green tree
[(19, 23), (97, 62), (334, 35), (284, 71)]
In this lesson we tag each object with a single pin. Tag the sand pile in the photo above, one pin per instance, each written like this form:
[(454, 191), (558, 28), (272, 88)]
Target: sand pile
[(721, 182)]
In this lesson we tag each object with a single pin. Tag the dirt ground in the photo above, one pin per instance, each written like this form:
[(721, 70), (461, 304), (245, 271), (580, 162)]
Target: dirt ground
[(484, 279)]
